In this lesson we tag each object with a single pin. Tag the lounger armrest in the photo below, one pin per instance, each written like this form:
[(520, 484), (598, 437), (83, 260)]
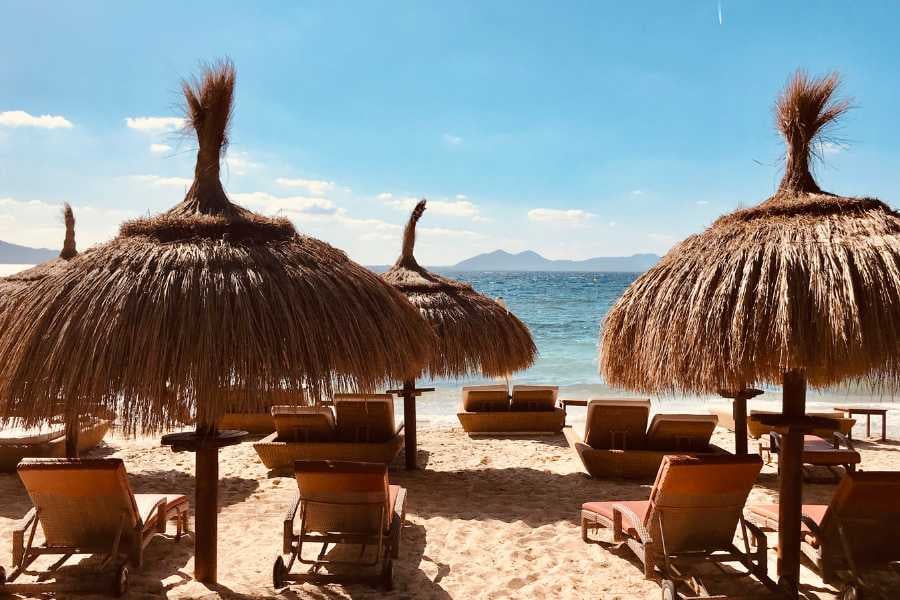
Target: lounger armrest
[(396, 526), (811, 525), (159, 509), (761, 543), (400, 428), (18, 535), (624, 511), (287, 543), (839, 438)]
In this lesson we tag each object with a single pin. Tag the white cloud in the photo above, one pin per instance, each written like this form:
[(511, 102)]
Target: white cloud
[(637, 192), (701, 202), (447, 233), (154, 124), (291, 206), (20, 118), (239, 163), (452, 208), (452, 140), (163, 181), (160, 148), (313, 186), (832, 147), (553, 215)]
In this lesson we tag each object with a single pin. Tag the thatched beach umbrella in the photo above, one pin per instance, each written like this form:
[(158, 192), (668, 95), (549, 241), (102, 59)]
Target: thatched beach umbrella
[(205, 297), (803, 289), (13, 284), (475, 335)]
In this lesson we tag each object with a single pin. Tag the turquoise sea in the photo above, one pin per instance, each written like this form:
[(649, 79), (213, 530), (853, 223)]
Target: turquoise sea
[(564, 312)]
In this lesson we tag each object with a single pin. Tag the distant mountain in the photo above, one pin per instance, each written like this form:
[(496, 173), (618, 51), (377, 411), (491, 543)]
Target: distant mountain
[(500, 260), (15, 254)]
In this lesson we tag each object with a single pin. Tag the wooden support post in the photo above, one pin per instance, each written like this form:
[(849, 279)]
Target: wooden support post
[(739, 411), (206, 507), (790, 493), (72, 431), (409, 424)]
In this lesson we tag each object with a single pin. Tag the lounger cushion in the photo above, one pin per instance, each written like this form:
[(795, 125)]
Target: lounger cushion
[(616, 422), (485, 398), (605, 510), (534, 397), (146, 502), (304, 423), (344, 496)]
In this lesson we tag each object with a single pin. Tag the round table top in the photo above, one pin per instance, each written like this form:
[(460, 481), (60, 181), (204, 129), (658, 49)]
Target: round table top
[(192, 441)]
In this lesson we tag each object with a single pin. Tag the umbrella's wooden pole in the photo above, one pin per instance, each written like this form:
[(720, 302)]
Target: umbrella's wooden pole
[(409, 423), (206, 508), (739, 412), (72, 431), (790, 493)]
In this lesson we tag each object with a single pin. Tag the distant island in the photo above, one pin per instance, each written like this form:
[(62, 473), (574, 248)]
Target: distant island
[(23, 255), (500, 260)]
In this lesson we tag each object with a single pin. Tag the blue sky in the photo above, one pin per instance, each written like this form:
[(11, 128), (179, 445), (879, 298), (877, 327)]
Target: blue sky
[(575, 129)]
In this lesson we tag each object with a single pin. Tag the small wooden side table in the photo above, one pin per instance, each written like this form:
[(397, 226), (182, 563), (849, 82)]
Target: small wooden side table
[(849, 411)]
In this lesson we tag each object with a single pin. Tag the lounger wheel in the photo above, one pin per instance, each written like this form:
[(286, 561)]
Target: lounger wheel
[(387, 575), (120, 583), (851, 591), (668, 590), (279, 574)]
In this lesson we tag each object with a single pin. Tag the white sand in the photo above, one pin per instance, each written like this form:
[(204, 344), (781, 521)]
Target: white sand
[(486, 518)]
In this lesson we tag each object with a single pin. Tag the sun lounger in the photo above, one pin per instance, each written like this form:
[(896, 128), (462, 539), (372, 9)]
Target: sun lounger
[(692, 514), (87, 507), (342, 503), (616, 441), (857, 533), (359, 433), (685, 433), (18, 442), (818, 452), (757, 429), (532, 409), (258, 422)]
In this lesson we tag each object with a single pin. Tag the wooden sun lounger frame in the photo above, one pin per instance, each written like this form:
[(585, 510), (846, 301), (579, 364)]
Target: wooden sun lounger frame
[(88, 438), (808, 476), (387, 544), (24, 553), (676, 567)]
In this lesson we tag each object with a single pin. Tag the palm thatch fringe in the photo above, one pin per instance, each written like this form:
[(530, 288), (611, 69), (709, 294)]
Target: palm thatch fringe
[(206, 297), (806, 280), (475, 334)]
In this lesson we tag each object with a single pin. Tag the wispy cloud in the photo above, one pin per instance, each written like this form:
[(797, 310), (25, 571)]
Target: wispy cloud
[(317, 187), (160, 148), (832, 147), (721, 17), (39, 223), (296, 206), (452, 140), (702, 202), (154, 124), (637, 192), (554, 215), (239, 163), (20, 118), (163, 181), (461, 207)]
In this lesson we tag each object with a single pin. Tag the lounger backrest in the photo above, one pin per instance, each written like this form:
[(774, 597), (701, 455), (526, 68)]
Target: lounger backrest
[(304, 423), (617, 423), (16, 435), (364, 417), (866, 504), (485, 398), (80, 502), (346, 497), (534, 397), (696, 503), (685, 433)]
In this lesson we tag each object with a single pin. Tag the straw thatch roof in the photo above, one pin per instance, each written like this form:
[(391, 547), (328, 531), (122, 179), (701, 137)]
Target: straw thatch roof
[(476, 335), (806, 280), (204, 297)]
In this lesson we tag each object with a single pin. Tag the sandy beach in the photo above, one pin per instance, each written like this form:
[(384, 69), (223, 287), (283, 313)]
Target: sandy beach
[(486, 518)]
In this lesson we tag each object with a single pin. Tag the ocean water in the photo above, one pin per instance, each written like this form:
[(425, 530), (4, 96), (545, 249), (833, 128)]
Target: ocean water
[(564, 312)]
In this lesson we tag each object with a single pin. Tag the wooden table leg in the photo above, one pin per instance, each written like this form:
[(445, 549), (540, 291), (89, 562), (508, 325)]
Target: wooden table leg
[(206, 507), (868, 425), (884, 426)]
